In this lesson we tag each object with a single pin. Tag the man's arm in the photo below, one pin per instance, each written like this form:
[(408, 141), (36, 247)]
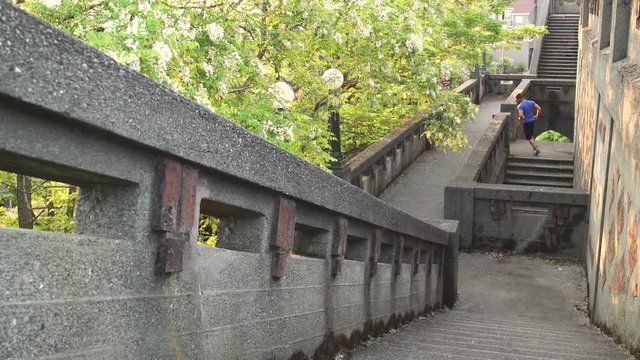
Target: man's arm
[(538, 111), (520, 114)]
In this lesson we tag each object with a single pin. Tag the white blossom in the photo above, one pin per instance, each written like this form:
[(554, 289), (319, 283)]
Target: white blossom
[(222, 88), (201, 96), (134, 26), (333, 78), (215, 31), (414, 43), (109, 26), (132, 44), (164, 51), (208, 69), (338, 38), (52, 3), (144, 6), (283, 94), (260, 68)]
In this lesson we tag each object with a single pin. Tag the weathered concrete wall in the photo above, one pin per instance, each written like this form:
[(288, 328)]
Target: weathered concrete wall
[(527, 220), (304, 262), (608, 164), (557, 99)]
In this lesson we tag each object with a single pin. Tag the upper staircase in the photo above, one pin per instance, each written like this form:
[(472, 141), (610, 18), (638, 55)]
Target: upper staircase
[(539, 172), (559, 56), (554, 166)]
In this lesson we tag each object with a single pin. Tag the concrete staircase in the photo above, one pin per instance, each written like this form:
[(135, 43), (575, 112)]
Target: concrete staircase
[(559, 56), (539, 171), (462, 335)]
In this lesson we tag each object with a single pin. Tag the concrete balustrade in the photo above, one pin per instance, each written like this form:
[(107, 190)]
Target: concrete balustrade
[(377, 166), (305, 262)]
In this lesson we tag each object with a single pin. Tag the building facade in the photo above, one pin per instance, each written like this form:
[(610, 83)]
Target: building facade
[(521, 12), (607, 159)]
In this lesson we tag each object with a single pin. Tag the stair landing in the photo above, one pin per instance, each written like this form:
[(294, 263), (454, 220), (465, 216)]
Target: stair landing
[(548, 150)]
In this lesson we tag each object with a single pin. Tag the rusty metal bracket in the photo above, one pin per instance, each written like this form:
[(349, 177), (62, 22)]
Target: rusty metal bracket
[(416, 260), (497, 209), (397, 255), (173, 213), (284, 232), (339, 244), (374, 251), (561, 213)]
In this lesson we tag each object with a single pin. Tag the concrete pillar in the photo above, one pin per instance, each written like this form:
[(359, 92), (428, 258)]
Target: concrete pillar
[(450, 276), (620, 33), (458, 205), (605, 23)]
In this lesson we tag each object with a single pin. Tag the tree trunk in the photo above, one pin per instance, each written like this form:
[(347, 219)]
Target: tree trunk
[(25, 213), (72, 203)]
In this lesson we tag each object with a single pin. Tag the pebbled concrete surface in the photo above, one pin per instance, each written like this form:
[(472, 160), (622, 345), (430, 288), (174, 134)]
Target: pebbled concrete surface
[(419, 191), (509, 308)]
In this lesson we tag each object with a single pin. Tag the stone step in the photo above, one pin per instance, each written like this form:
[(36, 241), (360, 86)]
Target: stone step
[(547, 168), (559, 48), (550, 70), (559, 64), (556, 70), (556, 76), (548, 67), (551, 56), (532, 182), (551, 65), (562, 31), (537, 175), (559, 61), (557, 73), (553, 52), (541, 160)]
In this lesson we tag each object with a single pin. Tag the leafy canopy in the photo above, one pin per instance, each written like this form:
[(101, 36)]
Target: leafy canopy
[(395, 56)]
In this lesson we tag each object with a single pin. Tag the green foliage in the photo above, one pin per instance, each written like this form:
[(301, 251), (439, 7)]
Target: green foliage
[(395, 56), (52, 203), (208, 230), (505, 66), (444, 122), (554, 136)]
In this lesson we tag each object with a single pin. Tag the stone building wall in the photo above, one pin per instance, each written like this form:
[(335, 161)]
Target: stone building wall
[(608, 161)]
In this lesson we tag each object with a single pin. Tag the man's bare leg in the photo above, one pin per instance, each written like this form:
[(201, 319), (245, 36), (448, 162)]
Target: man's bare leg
[(534, 145)]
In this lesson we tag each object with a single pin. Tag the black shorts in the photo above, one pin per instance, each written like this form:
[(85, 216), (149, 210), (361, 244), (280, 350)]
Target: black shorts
[(528, 129)]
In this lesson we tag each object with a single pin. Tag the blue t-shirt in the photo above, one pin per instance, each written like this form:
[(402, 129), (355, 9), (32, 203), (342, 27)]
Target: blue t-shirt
[(528, 108)]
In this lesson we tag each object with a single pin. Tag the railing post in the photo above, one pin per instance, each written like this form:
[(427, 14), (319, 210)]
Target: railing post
[(450, 276)]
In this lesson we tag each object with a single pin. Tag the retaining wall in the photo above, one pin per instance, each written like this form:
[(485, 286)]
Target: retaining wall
[(608, 162)]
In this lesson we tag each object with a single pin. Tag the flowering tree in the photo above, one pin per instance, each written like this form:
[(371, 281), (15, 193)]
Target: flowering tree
[(279, 67), (251, 59)]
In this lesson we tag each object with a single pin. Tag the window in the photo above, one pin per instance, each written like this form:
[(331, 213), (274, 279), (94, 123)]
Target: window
[(38, 204), (229, 227)]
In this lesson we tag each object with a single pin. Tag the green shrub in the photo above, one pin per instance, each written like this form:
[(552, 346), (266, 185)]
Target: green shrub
[(554, 136)]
